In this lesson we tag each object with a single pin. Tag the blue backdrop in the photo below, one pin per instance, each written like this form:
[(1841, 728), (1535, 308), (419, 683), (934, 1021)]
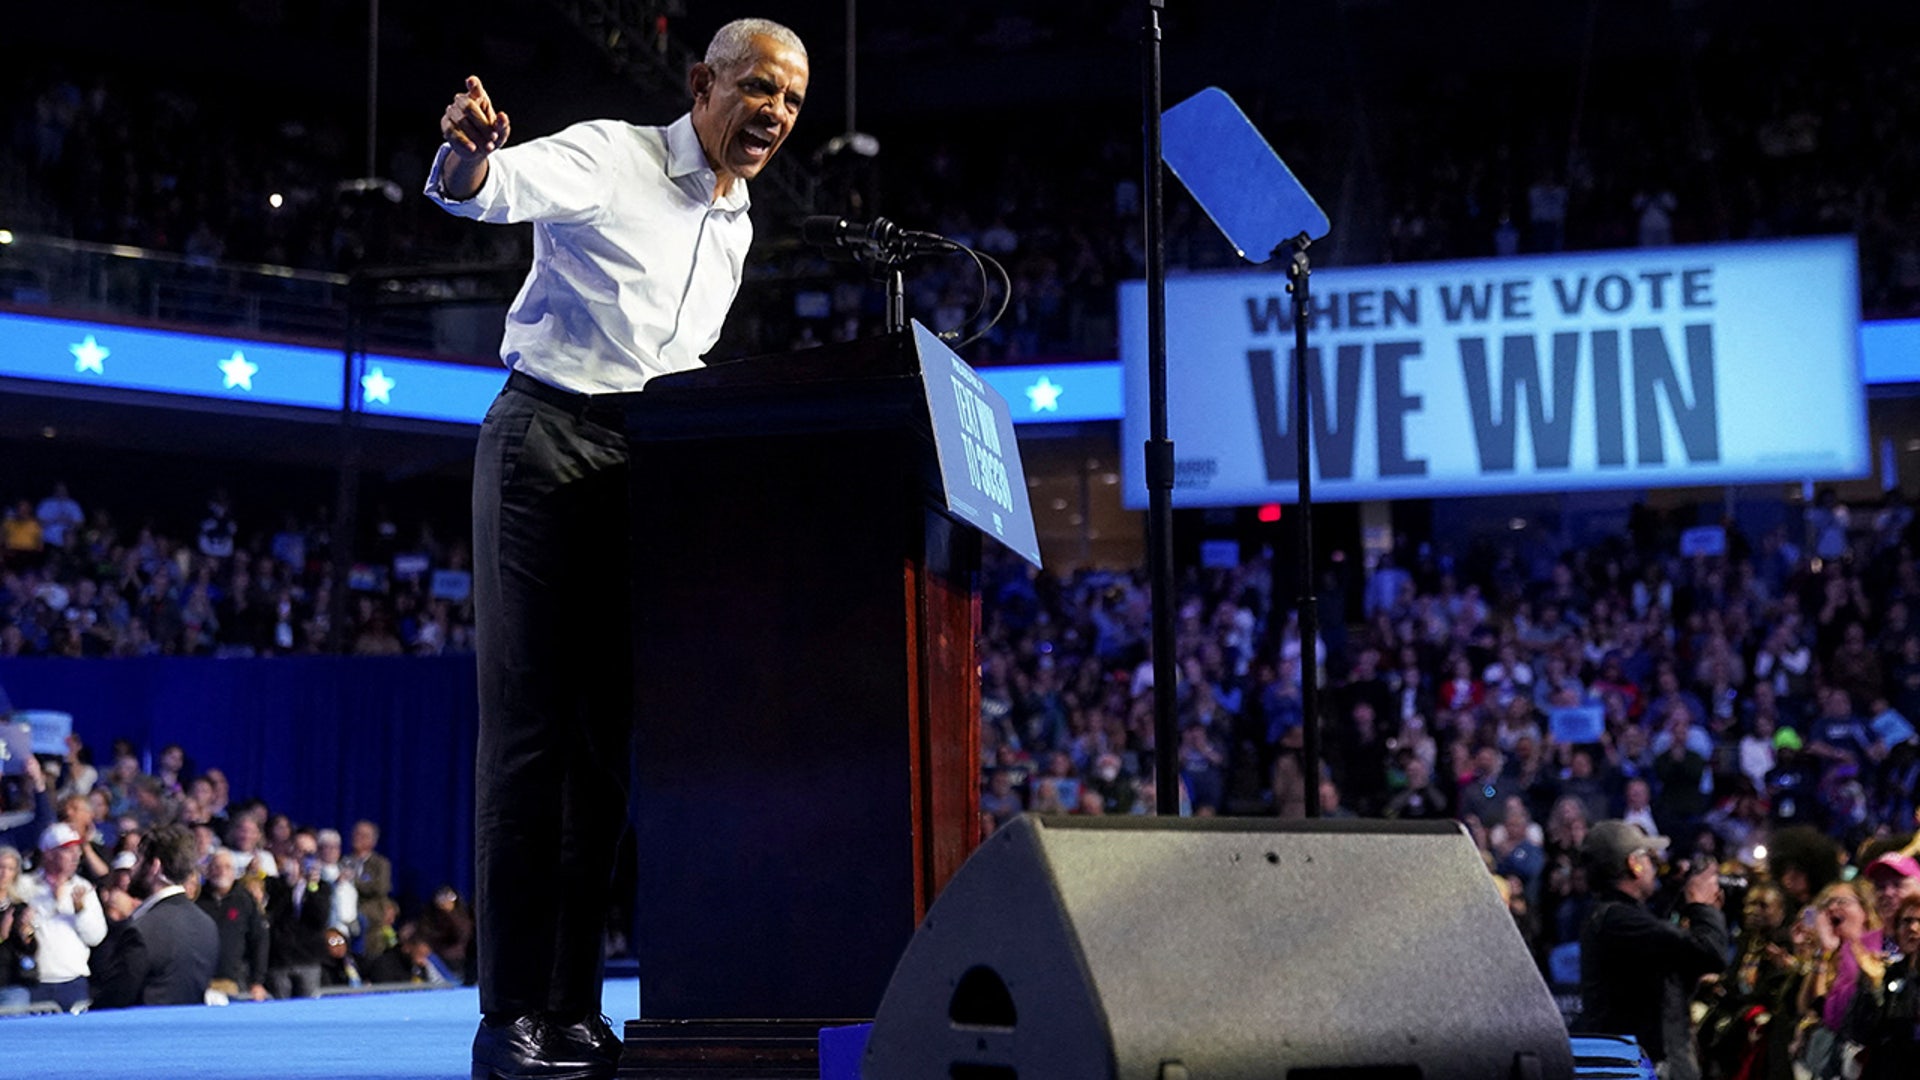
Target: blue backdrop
[(327, 740)]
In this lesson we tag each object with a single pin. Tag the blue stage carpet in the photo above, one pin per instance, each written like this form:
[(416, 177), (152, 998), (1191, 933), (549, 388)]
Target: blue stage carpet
[(413, 1035)]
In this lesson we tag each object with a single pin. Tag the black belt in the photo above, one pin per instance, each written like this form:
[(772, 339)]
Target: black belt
[(596, 407)]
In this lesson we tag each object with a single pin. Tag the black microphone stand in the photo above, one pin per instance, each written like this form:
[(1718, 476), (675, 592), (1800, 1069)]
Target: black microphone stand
[(1298, 273), (883, 263), (1159, 448)]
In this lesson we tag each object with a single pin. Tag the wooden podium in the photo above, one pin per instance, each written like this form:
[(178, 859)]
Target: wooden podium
[(807, 698)]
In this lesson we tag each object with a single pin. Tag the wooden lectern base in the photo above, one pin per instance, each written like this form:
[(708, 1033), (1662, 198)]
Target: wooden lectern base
[(723, 1049)]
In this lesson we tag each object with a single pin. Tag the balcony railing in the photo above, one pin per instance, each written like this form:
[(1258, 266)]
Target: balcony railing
[(121, 282)]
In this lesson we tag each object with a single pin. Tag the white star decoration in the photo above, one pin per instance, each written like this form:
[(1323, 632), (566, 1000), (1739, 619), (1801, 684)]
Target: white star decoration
[(1044, 395), (375, 386), (238, 371), (87, 356)]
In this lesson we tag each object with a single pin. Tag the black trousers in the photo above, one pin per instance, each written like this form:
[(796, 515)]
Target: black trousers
[(551, 596)]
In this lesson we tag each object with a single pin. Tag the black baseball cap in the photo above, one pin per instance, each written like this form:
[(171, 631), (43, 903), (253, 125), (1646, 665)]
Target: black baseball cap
[(1610, 843)]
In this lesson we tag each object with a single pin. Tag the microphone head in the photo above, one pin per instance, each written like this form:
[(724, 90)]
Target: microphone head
[(824, 230)]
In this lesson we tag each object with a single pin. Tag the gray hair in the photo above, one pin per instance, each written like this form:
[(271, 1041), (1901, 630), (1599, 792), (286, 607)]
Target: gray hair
[(733, 43), (327, 836)]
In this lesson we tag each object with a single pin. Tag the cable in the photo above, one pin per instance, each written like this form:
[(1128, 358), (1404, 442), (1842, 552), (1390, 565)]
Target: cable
[(1006, 295), (979, 309)]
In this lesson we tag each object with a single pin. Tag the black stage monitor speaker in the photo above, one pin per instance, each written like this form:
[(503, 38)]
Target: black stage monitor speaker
[(1219, 949)]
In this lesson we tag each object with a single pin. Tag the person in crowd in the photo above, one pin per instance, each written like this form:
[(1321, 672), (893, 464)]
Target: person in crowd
[(59, 516), (340, 967), (68, 920), (18, 964), (346, 897), (166, 950), (1518, 844), (299, 909), (1895, 879), (370, 873), (1888, 1029), (1485, 791), (447, 928), (26, 806), (381, 931), (643, 232), (241, 970), (411, 960), (1844, 963), (1636, 969), (1000, 799), (77, 812), (1421, 799), (246, 841)]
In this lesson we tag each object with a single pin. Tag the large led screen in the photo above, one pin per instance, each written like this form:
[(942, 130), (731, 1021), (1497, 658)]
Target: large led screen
[(1654, 367)]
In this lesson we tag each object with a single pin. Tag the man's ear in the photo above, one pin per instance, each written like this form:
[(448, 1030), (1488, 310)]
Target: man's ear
[(700, 80)]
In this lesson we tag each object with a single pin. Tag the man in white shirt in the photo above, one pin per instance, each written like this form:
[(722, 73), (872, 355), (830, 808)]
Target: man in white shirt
[(67, 916), (639, 238)]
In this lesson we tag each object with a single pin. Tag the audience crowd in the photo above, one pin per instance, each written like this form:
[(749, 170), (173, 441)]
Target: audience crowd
[(295, 909), (75, 584)]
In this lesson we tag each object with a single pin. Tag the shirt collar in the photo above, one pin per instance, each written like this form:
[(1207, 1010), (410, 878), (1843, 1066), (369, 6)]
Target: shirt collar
[(171, 890), (686, 158)]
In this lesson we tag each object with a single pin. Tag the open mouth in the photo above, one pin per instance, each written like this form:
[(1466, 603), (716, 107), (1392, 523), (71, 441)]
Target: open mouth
[(757, 144)]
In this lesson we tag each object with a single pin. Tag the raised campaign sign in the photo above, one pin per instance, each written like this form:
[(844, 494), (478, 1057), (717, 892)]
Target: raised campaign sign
[(1655, 367)]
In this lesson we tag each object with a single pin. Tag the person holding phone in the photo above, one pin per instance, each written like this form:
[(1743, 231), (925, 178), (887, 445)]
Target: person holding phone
[(1637, 969)]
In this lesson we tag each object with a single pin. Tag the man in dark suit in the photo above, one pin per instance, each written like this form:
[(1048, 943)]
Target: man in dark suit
[(164, 953)]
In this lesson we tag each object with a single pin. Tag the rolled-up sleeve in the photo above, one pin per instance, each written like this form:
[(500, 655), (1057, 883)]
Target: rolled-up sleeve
[(562, 178)]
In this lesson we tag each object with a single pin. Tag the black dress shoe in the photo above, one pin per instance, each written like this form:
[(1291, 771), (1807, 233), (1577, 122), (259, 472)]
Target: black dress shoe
[(535, 1048), (596, 1033)]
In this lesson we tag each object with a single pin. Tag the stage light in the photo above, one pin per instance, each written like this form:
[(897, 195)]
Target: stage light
[(1270, 513), (6, 236), (274, 200)]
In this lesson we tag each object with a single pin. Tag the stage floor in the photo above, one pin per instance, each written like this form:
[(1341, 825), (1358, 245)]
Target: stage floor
[(411, 1035)]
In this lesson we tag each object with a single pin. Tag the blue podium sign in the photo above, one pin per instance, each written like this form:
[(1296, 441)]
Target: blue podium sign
[(979, 458)]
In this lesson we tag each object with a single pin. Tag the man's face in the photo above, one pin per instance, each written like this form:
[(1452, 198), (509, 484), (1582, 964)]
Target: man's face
[(1889, 890), (61, 862), (1764, 910), (744, 111)]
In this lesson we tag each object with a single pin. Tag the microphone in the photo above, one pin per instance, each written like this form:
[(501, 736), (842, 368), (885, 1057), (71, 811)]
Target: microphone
[(881, 237)]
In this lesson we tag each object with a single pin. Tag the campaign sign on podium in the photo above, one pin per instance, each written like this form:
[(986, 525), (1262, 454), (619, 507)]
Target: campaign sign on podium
[(979, 459)]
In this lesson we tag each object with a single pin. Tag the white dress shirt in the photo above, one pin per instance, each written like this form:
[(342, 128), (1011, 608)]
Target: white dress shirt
[(635, 264)]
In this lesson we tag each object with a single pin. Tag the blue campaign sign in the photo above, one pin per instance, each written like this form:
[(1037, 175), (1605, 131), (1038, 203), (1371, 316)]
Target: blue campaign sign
[(979, 456), (165, 361), (1647, 367), (425, 389), (1059, 393)]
